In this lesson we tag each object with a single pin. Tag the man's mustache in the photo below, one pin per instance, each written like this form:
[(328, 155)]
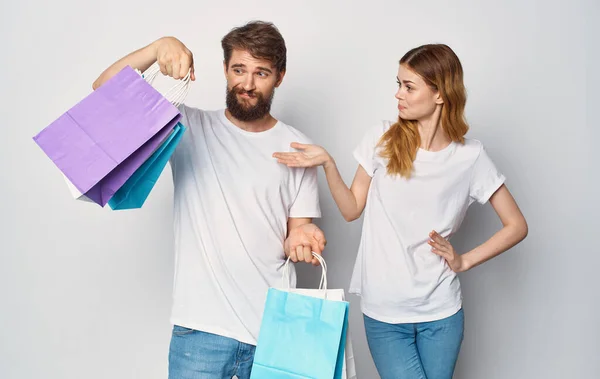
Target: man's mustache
[(241, 91)]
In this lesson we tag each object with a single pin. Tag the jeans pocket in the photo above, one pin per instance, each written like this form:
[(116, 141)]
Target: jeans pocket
[(182, 330)]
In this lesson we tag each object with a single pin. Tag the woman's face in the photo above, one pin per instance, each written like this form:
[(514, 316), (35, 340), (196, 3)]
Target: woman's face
[(416, 100)]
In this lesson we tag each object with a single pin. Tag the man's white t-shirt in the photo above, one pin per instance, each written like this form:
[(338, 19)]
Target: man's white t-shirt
[(232, 201), (399, 278)]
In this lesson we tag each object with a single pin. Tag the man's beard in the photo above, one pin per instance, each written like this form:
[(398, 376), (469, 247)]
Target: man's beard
[(244, 113)]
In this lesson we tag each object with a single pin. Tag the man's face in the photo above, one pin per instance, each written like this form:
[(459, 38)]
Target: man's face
[(251, 84)]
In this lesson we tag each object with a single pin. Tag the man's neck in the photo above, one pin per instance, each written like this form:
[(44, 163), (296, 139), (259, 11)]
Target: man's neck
[(256, 126)]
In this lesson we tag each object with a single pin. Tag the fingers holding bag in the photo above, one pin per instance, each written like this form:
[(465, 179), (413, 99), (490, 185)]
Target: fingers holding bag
[(174, 58)]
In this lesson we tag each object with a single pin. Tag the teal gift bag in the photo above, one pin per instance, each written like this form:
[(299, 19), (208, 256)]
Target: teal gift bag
[(136, 189), (301, 336)]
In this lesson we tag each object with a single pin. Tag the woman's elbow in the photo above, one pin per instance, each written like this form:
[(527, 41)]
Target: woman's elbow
[(522, 229), (525, 229)]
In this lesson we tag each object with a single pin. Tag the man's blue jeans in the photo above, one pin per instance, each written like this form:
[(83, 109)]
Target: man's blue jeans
[(198, 355)]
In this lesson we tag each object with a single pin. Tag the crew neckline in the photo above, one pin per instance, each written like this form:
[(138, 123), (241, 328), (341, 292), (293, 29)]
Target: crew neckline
[(427, 155), (231, 125)]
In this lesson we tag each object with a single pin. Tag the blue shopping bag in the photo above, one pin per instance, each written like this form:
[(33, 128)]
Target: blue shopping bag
[(301, 336), (136, 189)]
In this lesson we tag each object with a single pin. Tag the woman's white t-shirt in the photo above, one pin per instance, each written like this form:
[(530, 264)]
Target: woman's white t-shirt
[(399, 278)]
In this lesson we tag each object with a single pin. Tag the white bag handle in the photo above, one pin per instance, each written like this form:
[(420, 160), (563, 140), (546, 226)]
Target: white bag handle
[(285, 280), (177, 94)]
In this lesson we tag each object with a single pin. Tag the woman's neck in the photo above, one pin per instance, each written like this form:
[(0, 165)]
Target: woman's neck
[(433, 136)]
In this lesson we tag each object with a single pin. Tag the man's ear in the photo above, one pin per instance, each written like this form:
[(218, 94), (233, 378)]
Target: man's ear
[(281, 74)]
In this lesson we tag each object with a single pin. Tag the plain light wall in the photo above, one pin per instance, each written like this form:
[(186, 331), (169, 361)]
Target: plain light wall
[(85, 291)]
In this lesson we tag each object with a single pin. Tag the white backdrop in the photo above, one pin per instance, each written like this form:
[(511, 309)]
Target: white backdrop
[(85, 292)]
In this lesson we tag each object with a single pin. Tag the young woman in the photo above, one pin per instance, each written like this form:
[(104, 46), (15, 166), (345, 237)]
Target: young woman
[(415, 180)]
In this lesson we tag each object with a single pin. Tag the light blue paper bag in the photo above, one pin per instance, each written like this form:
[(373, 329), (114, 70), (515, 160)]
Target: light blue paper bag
[(301, 336), (136, 189)]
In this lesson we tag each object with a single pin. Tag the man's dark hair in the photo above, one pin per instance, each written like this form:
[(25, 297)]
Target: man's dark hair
[(261, 39)]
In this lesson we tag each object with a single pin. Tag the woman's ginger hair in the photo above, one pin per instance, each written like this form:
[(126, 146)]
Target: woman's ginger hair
[(440, 68)]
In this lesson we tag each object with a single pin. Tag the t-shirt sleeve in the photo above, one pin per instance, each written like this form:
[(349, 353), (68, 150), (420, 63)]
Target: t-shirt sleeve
[(365, 152), (306, 203), (485, 178)]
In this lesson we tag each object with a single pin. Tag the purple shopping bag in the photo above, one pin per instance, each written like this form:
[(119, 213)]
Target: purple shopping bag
[(100, 142)]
